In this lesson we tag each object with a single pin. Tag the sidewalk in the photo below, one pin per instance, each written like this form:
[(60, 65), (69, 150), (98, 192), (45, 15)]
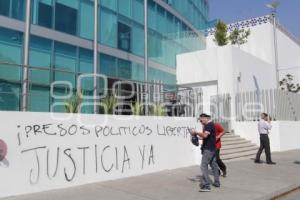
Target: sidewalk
[(246, 180)]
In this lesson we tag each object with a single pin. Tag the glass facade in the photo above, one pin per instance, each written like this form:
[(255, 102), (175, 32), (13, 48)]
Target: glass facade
[(120, 31), (194, 10), (13, 8)]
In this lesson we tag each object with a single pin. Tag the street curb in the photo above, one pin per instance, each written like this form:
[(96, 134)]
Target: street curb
[(280, 192)]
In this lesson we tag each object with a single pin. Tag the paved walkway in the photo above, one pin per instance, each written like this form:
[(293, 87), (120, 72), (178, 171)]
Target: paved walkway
[(246, 181), (294, 195)]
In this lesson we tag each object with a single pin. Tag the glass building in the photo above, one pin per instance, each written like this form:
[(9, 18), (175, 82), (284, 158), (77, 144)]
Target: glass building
[(61, 43)]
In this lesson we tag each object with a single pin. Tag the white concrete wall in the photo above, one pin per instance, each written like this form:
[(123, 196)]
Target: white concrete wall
[(289, 136), (248, 130), (260, 42), (49, 151), (261, 45), (223, 65), (256, 74), (198, 66), (288, 56), (284, 135)]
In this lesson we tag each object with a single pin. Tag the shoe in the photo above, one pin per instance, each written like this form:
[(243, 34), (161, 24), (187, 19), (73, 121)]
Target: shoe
[(224, 173), (271, 163), (258, 161), (205, 189), (217, 185)]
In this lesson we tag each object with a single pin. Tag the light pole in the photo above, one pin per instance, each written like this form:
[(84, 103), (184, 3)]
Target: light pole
[(274, 5), (95, 55), (25, 83), (146, 55)]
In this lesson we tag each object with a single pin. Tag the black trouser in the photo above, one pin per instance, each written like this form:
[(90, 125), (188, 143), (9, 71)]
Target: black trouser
[(264, 145), (220, 163)]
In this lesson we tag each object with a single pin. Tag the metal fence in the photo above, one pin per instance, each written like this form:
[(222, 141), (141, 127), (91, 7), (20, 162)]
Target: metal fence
[(176, 100), (280, 105), (220, 109)]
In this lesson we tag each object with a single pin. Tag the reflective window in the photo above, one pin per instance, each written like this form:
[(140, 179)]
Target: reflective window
[(42, 13), (40, 56), (86, 66), (161, 20), (9, 96), (111, 4), (85, 61), (108, 65), (108, 29), (58, 105), (124, 69), (137, 72), (124, 37), (170, 24), (154, 48), (13, 8), (151, 14), (138, 11), (18, 9), (138, 40), (66, 16), (159, 75), (39, 99), (4, 7), (124, 7), (65, 59), (11, 43), (86, 19)]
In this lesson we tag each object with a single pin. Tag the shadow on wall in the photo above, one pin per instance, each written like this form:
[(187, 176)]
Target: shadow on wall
[(256, 83)]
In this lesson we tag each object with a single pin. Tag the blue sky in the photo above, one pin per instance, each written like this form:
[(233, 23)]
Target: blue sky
[(235, 10)]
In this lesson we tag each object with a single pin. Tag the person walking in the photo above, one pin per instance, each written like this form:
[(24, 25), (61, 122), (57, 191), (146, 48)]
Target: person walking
[(264, 127), (219, 133), (208, 150)]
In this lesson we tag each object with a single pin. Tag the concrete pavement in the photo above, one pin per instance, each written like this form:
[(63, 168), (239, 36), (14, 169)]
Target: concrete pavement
[(295, 195), (246, 180)]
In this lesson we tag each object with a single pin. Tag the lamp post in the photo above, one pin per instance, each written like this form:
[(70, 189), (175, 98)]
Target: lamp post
[(95, 55), (273, 6), (146, 55), (25, 82)]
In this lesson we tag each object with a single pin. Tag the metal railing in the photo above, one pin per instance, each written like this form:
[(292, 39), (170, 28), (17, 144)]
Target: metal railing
[(220, 107), (280, 105), (177, 100)]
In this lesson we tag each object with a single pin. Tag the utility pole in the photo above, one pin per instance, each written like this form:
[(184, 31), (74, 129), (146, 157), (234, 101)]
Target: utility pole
[(274, 5), (25, 81), (95, 56), (146, 55)]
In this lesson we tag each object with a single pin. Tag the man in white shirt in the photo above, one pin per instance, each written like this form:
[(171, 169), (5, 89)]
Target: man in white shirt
[(264, 126)]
